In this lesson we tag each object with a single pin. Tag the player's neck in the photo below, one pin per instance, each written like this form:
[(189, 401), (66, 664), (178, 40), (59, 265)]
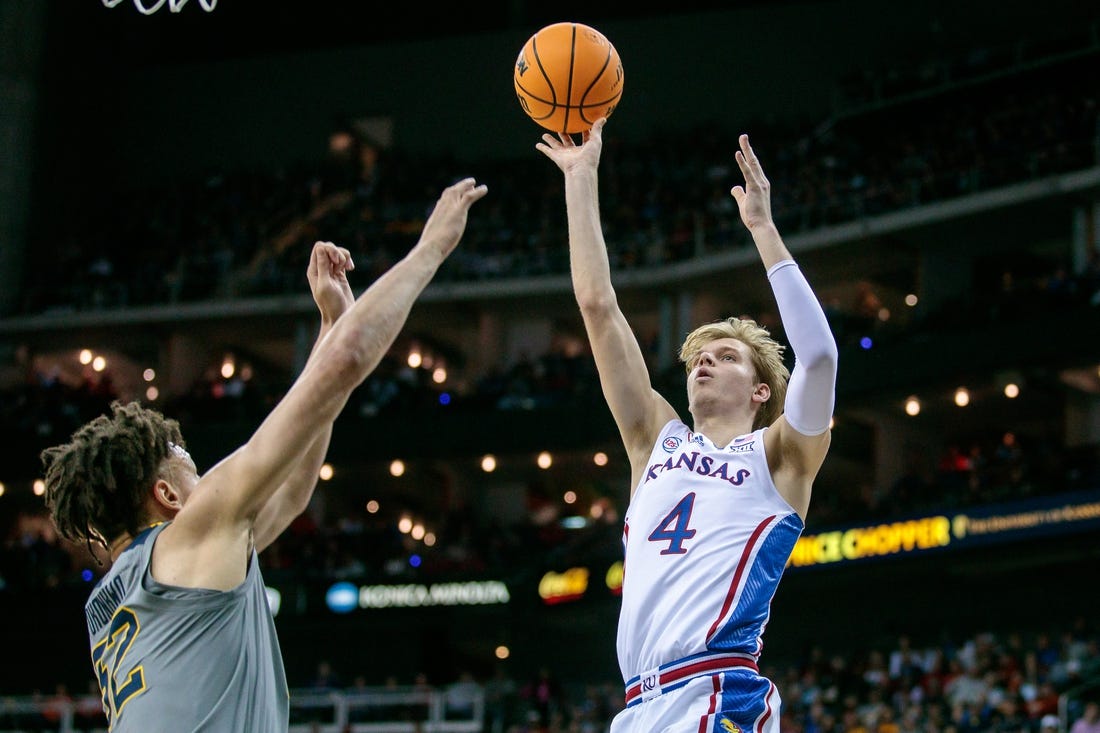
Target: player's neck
[(722, 430), (118, 545)]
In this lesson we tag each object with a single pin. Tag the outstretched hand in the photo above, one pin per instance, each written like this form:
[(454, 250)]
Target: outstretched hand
[(754, 199), (569, 156), (328, 279), (447, 221)]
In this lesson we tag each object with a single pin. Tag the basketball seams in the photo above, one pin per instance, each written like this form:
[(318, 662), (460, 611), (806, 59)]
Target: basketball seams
[(553, 101), (546, 76), (569, 86), (595, 80)]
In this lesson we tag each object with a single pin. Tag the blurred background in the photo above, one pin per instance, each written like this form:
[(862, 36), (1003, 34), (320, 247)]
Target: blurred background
[(935, 170)]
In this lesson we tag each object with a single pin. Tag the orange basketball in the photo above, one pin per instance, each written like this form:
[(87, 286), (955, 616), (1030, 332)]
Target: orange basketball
[(567, 76)]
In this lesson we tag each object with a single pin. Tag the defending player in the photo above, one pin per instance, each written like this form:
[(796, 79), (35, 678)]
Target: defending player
[(716, 508), (181, 635)]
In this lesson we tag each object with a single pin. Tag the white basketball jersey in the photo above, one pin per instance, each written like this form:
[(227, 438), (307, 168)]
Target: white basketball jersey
[(707, 537)]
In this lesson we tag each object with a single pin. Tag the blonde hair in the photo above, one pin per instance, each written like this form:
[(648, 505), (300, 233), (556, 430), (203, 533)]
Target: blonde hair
[(766, 354)]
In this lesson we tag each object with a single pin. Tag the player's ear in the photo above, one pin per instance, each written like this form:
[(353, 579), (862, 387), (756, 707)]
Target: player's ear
[(165, 495), (762, 393)]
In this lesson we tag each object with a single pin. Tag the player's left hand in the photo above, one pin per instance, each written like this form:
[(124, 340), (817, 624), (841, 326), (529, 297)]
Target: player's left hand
[(754, 199), (328, 280)]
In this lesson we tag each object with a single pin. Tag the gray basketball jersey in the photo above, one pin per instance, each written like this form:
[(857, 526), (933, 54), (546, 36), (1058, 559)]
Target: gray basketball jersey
[(174, 659)]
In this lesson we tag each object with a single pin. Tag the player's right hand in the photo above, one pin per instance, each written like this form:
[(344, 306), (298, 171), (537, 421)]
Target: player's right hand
[(447, 221)]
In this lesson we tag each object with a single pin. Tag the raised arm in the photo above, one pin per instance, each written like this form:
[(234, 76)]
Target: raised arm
[(639, 411), (799, 440), (211, 533), (328, 282)]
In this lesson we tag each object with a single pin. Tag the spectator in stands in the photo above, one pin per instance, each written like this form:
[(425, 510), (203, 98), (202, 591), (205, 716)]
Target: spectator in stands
[(545, 696), (89, 715), (58, 704), (1089, 722), (500, 700), (325, 679), (461, 695)]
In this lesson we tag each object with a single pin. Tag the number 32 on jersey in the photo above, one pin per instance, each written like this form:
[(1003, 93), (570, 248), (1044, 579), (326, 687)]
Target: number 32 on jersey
[(116, 686)]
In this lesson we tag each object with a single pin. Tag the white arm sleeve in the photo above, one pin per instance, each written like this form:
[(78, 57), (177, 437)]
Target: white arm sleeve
[(811, 392)]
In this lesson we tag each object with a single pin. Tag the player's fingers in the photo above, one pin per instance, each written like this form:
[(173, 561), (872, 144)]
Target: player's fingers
[(738, 193), (348, 263), (330, 252), (476, 193), (339, 259), (316, 257), (455, 188), (743, 164), (746, 152), (454, 191), (750, 156)]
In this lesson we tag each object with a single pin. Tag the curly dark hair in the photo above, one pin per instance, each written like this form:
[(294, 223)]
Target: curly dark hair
[(96, 484)]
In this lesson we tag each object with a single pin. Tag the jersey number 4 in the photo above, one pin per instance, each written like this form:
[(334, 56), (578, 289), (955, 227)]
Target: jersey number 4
[(116, 686), (673, 529)]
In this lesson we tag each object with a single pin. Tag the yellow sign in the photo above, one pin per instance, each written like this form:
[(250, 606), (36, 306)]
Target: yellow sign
[(614, 577), (1025, 520), (883, 539), (567, 586), (1073, 512)]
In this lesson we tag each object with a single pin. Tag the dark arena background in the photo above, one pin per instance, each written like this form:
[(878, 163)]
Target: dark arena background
[(935, 169)]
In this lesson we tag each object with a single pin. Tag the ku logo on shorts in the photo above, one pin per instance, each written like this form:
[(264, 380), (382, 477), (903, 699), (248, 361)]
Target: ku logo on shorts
[(728, 726)]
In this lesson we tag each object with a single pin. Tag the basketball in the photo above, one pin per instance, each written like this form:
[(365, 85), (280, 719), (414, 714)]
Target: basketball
[(567, 76)]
